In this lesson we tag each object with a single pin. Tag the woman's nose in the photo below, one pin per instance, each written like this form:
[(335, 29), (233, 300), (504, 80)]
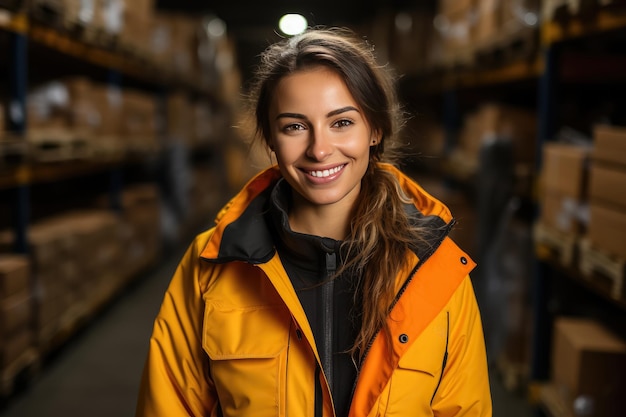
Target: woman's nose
[(320, 146)]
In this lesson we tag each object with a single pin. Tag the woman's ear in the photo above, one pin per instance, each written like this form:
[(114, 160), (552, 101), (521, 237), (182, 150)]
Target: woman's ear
[(375, 140)]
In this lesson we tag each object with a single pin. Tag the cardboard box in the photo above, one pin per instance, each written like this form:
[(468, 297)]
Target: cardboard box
[(606, 184), (16, 314), (2, 120), (565, 169), (607, 228), (51, 304), (14, 347), (609, 144), (488, 22), (519, 125), (14, 274), (562, 212), (452, 6), (589, 360)]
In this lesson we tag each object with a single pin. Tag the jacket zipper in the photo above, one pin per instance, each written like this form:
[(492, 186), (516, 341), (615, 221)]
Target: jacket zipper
[(327, 320)]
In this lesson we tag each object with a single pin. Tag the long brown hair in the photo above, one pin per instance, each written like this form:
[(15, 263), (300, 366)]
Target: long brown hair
[(381, 231)]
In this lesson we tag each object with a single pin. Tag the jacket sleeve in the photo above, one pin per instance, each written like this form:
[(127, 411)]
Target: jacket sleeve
[(464, 389), (175, 380)]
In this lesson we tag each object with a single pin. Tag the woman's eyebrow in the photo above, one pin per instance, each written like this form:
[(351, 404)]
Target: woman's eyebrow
[(291, 115), (342, 110), (329, 114)]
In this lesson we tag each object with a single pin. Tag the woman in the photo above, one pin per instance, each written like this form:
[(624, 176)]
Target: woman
[(329, 285)]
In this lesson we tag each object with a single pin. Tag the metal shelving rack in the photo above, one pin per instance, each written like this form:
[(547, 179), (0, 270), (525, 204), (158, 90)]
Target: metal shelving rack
[(23, 33)]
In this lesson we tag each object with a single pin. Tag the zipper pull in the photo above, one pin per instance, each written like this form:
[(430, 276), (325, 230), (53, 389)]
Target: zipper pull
[(331, 264)]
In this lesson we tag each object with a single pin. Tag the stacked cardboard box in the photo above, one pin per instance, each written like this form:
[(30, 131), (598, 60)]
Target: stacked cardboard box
[(170, 40), (404, 39), (105, 120), (495, 121), (138, 127), (16, 308), (180, 118), (2, 121), (137, 24), (498, 23), (78, 264), (588, 364), (51, 246), (206, 196), (454, 22), (141, 226), (80, 12), (108, 102), (607, 223), (563, 195), (70, 252), (207, 123)]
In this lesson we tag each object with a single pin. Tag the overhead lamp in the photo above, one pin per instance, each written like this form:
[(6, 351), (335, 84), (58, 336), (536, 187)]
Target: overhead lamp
[(292, 24), (215, 27)]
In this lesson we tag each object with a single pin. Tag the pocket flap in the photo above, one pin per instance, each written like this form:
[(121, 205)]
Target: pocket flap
[(249, 332), (426, 354)]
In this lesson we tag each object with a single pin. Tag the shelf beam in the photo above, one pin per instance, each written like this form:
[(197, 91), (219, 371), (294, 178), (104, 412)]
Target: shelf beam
[(576, 27)]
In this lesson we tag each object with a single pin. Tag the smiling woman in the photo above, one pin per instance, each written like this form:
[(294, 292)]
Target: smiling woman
[(329, 285)]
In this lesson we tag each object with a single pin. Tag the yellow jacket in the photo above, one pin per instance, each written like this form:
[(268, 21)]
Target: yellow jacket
[(231, 338)]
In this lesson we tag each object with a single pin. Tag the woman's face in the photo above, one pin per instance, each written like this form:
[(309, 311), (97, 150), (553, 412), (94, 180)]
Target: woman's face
[(320, 137)]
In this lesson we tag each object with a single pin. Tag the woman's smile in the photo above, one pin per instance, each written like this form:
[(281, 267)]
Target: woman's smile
[(327, 174)]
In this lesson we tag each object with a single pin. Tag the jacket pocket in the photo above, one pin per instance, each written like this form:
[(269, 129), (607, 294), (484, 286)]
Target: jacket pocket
[(416, 377), (247, 349)]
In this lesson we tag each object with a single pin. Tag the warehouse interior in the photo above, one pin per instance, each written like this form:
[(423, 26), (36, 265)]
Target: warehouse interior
[(122, 135)]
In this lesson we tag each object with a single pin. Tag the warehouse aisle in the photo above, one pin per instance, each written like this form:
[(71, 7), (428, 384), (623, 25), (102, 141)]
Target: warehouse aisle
[(97, 373)]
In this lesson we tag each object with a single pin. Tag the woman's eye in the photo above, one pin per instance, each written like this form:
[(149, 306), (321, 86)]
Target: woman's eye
[(293, 127), (343, 123)]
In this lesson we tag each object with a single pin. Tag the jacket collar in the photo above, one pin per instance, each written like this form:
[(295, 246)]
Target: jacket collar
[(242, 233)]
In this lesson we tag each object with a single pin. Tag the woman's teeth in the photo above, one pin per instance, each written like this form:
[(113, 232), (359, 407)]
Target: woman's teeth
[(326, 172)]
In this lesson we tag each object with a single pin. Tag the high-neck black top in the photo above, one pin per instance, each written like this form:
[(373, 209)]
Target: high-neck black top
[(329, 301)]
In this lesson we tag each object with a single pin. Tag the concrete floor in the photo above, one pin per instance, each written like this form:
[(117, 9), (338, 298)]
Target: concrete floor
[(97, 372)]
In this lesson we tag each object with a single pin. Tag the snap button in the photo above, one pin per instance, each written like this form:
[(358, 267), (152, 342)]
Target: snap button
[(403, 338), (463, 260)]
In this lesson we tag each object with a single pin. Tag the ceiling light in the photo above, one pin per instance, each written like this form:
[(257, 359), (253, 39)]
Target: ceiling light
[(292, 24), (216, 27)]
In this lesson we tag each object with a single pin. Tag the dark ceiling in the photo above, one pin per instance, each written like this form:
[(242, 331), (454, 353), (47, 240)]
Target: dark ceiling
[(253, 24)]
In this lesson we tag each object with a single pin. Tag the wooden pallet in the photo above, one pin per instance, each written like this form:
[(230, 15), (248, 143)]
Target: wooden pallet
[(564, 10), (98, 36), (26, 367), (13, 152), (12, 5), (515, 376), (55, 145), (550, 243), (595, 263), (56, 334), (456, 59), (507, 48), (552, 402), (49, 12)]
